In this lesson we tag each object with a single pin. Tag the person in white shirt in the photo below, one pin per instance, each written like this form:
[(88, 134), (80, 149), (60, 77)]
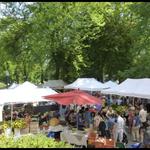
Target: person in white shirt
[(119, 101), (119, 129), (143, 116), (78, 108)]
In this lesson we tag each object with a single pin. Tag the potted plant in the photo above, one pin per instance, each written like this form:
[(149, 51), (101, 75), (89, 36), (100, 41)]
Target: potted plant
[(6, 126), (17, 125)]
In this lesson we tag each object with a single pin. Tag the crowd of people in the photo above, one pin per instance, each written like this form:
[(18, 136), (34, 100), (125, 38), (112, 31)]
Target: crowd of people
[(109, 123), (134, 121)]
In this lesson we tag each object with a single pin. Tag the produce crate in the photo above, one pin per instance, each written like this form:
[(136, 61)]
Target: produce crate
[(109, 146), (24, 131), (42, 127), (108, 143), (91, 138), (91, 141), (34, 127), (92, 134), (99, 145)]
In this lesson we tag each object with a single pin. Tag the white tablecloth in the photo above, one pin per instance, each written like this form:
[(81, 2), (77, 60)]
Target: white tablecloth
[(56, 128), (77, 137)]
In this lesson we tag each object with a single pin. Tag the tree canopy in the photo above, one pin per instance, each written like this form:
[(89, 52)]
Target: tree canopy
[(54, 40)]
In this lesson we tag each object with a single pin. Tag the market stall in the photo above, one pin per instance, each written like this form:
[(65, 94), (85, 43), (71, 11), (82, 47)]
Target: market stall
[(131, 87), (87, 84)]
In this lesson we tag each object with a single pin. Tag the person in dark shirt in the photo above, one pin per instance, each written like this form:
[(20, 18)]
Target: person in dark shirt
[(72, 118), (102, 127), (80, 120), (56, 114), (87, 116), (42, 119), (21, 114)]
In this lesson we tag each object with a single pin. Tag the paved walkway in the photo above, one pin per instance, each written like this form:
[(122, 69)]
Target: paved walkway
[(130, 140)]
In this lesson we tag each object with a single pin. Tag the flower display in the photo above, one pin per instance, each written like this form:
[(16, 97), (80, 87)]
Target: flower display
[(6, 124), (19, 123)]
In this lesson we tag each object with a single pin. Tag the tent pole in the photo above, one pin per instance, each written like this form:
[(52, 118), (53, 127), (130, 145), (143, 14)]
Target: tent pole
[(11, 115), (1, 112)]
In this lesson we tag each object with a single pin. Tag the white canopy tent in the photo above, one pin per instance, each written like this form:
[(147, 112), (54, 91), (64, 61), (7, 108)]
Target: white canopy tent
[(26, 85), (14, 85), (110, 84), (87, 84), (124, 89), (131, 87), (24, 93), (142, 89), (54, 84)]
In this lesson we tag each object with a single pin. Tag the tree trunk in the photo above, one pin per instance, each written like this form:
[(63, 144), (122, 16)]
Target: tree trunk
[(25, 73), (16, 74), (57, 73), (42, 77), (101, 74)]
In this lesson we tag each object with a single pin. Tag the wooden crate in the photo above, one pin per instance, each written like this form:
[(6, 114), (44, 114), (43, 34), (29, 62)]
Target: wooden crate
[(99, 145), (109, 146), (109, 143), (92, 134), (91, 140), (42, 127), (24, 131), (34, 127)]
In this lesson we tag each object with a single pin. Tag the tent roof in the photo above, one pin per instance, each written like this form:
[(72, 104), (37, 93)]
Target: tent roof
[(26, 85), (24, 93), (131, 87), (110, 84), (87, 84), (14, 85), (54, 84)]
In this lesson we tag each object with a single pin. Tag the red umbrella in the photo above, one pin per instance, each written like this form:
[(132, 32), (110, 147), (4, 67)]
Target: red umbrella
[(74, 97)]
